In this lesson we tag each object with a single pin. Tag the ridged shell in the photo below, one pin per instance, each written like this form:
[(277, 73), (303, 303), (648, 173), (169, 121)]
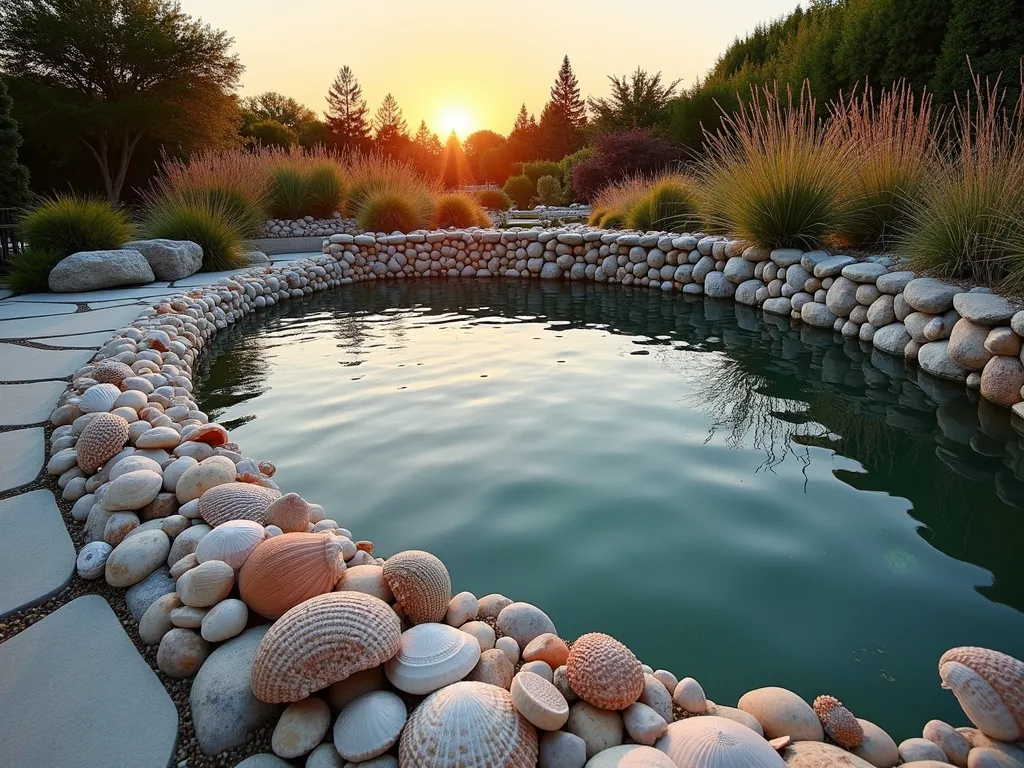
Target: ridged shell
[(99, 398), (231, 542), (604, 672), (235, 501), (206, 584), (990, 688), (369, 726), (322, 641), (715, 742), (630, 756), (289, 569), (539, 701), (420, 583), (468, 725), (112, 372), (211, 434), (431, 656), (100, 441), (290, 513), (838, 722)]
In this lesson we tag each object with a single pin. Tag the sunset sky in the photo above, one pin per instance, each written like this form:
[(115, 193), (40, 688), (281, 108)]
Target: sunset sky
[(468, 65)]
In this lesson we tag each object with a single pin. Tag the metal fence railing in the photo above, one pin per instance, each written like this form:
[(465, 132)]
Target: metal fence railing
[(9, 242)]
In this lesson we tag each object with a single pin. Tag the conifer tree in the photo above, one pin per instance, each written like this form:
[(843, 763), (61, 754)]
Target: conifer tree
[(426, 149), (13, 175), (346, 113), (564, 116), (989, 34), (522, 141), (389, 128)]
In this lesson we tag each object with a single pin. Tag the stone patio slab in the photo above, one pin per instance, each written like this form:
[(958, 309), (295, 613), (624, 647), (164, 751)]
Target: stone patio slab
[(77, 693), (19, 363), (113, 294), (21, 457), (77, 340), (37, 560), (9, 309), (205, 278), (22, 404), (63, 325)]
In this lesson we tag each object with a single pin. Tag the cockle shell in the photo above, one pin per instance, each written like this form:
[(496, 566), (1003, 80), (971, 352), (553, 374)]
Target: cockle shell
[(715, 742), (431, 656), (206, 584), (133, 490), (231, 542), (101, 440), (211, 434), (289, 569), (234, 501), (604, 672), (468, 725), (420, 583), (322, 641), (290, 513), (839, 723), (990, 688), (369, 726), (112, 372), (92, 559), (630, 756), (539, 701), (99, 398)]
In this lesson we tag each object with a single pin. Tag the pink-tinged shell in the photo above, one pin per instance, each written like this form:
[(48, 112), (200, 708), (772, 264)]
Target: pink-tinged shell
[(990, 688), (604, 672), (432, 656), (711, 742), (838, 722), (289, 569), (100, 441), (421, 585), (211, 434), (290, 513), (539, 701), (235, 501), (323, 641), (231, 542), (468, 725), (112, 372)]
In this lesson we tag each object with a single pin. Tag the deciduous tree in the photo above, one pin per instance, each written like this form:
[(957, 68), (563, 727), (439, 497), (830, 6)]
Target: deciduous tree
[(279, 108)]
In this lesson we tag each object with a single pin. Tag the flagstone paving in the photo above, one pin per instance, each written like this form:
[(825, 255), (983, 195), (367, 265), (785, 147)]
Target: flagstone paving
[(78, 340), (37, 557), (22, 452), (24, 404), (111, 294), (20, 363), (61, 325), (11, 309)]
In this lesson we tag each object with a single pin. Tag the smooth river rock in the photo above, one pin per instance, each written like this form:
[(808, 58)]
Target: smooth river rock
[(137, 557), (927, 294), (984, 308), (523, 622), (782, 713)]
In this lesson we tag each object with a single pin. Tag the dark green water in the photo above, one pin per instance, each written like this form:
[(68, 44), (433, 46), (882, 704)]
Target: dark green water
[(737, 500)]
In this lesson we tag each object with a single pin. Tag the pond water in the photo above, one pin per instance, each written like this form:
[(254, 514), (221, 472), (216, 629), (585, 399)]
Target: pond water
[(736, 499)]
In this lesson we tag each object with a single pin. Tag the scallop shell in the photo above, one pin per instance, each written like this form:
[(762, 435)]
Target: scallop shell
[(206, 584), (112, 372), (290, 513), (211, 434), (99, 398), (539, 701), (630, 756), (289, 569), (604, 672), (839, 723), (369, 726), (468, 725), (235, 501), (231, 542), (92, 559), (420, 583), (432, 656), (990, 688), (710, 742), (100, 441), (323, 641)]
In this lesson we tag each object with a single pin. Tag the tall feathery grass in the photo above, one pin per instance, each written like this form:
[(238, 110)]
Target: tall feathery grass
[(894, 153), (210, 224), (616, 200), (668, 206), (29, 270), (494, 199), (773, 174), (66, 224), (377, 183), (459, 210), (289, 192)]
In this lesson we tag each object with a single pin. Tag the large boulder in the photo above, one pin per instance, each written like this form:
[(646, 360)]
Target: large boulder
[(95, 270), (170, 259)]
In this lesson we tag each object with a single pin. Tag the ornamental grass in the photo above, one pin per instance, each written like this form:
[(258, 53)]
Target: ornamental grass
[(210, 224), (289, 196), (493, 199), (29, 270), (618, 198), (371, 175), (66, 224), (392, 211), (669, 206), (459, 210)]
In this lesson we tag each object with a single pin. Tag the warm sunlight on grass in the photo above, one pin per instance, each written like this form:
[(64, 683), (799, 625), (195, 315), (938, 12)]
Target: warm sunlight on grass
[(455, 118)]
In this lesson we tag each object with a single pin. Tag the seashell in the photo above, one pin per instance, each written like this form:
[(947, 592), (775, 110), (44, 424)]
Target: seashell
[(817, 754), (100, 441), (290, 513), (211, 434), (99, 398), (431, 656), (322, 641), (289, 569), (92, 559), (468, 725), (231, 542), (604, 672), (197, 480), (158, 437), (132, 463), (539, 701), (709, 742), (369, 726), (420, 583), (133, 490), (630, 756), (112, 372), (990, 688), (233, 501), (839, 723), (225, 620), (368, 579), (206, 584)]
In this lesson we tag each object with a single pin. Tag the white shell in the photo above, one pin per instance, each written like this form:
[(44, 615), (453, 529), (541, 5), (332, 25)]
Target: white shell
[(133, 490), (432, 656), (225, 620), (539, 701), (715, 742), (99, 398), (132, 463), (92, 559), (630, 756), (206, 584), (979, 701), (231, 542), (369, 726)]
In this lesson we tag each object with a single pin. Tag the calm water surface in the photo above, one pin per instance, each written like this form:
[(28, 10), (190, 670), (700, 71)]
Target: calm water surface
[(737, 500)]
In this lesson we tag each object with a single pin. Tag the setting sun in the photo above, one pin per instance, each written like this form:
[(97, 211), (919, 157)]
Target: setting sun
[(458, 119)]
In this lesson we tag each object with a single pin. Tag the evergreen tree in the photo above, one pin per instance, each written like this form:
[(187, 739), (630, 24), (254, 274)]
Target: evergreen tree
[(389, 129), (916, 31), (990, 35), (638, 101), (522, 141), (13, 175), (346, 111), (456, 169), (426, 149), (563, 118)]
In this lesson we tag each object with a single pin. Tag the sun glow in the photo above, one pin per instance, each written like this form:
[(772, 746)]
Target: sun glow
[(458, 119)]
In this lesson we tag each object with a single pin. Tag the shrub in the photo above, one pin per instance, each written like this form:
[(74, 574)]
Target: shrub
[(391, 211), (776, 176), (247, 216), (459, 210), (30, 269), (620, 155), (211, 225), (520, 189), (549, 191), (271, 133), (494, 199), (534, 171), (669, 206), (371, 174), (289, 193), (66, 225), (326, 190), (566, 165)]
